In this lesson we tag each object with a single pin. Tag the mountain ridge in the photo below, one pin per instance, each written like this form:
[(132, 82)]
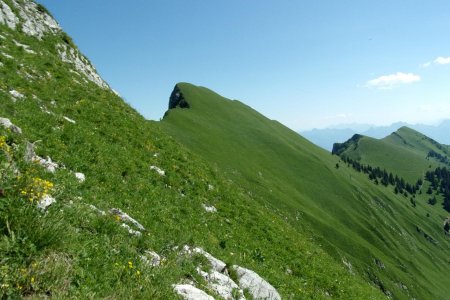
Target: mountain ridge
[(264, 169), (326, 137), (97, 202)]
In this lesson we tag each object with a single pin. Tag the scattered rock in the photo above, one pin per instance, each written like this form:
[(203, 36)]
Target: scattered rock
[(16, 94), (7, 55), (69, 120), (222, 284), (9, 125), (26, 48), (151, 258), (210, 187), (258, 287), (158, 170), (131, 230), (125, 217), (45, 202), (190, 292), (80, 176), (217, 264), (47, 163), (93, 207), (210, 209)]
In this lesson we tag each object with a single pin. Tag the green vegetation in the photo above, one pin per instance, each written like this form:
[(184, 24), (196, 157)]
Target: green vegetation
[(350, 217), (73, 250), (301, 218)]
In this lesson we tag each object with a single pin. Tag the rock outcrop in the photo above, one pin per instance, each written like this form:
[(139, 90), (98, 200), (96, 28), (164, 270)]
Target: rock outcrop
[(32, 19), (258, 287), (177, 99)]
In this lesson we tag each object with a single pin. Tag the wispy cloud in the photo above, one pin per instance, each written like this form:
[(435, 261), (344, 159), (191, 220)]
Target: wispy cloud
[(392, 80), (442, 60), (438, 61)]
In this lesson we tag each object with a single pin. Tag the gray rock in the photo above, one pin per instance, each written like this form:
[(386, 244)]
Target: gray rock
[(125, 217), (210, 209), (16, 94), (258, 287), (131, 230), (7, 16), (81, 64), (80, 176), (190, 292), (151, 258), (222, 284), (9, 125), (45, 202), (158, 170)]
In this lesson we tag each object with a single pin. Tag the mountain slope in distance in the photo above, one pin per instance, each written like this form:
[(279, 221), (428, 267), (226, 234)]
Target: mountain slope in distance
[(404, 152), (352, 218)]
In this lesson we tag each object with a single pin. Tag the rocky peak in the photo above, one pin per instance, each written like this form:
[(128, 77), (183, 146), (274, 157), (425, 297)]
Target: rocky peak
[(31, 18), (177, 99)]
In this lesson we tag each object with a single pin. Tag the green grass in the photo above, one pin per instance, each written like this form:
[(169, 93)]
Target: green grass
[(349, 216), (403, 153), (72, 251)]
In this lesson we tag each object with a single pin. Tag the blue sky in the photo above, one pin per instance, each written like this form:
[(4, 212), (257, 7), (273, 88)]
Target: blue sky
[(304, 63)]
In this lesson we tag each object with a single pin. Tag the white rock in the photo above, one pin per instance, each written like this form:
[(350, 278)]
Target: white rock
[(190, 292), (69, 120), (7, 55), (26, 48), (93, 207), (216, 264), (258, 287), (125, 217), (47, 163), (72, 56), (210, 187), (9, 125), (130, 230), (80, 176), (151, 258), (210, 209), (16, 94), (158, 170), (35, 23), (45, 202), (222, 284), (7, 16)]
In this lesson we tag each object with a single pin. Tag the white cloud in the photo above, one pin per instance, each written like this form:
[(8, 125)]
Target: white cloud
[(392, 80), (442, 60), (438, 61)]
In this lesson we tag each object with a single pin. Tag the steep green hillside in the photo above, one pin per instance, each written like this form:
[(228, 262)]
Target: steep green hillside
[(66, 137), (375, 232), (404, 152)]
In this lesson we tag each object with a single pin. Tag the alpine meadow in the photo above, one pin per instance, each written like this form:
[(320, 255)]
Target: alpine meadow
[(214, 201)]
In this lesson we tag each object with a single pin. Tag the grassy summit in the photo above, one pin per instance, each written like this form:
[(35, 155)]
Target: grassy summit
[(404, 152)]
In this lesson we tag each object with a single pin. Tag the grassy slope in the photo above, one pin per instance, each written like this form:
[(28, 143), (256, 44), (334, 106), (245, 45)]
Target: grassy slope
[(72, 251), (396, 152), (352, 218)]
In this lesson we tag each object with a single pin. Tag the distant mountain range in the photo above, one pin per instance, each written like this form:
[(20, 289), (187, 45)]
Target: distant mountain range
[(325, 138)]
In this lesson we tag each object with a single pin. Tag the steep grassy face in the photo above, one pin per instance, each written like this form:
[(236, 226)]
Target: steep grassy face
[(404, 152), (77, 247), (364, 225)]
